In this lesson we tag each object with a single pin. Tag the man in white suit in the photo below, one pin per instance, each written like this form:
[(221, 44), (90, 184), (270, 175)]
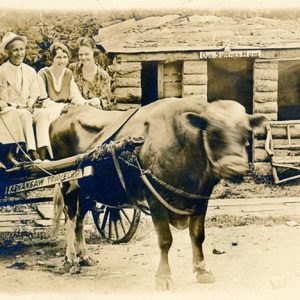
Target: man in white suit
[(18, 85)]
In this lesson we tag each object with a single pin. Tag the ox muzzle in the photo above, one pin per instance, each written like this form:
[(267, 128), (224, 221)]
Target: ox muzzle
[(232, 167)]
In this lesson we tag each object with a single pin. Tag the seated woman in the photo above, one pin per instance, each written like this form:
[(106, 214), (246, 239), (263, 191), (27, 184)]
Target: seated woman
[(58, 88), (93, 82), (11, 136)]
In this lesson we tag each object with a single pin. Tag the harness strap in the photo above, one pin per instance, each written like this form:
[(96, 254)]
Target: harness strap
[(110, 131), (158, 196), (118, 168), (214, 165), (161, 199)]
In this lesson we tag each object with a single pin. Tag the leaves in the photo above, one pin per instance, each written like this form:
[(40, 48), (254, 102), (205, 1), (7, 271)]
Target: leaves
[(41, 29)]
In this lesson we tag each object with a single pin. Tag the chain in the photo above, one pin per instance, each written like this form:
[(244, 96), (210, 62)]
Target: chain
[(164, 184)]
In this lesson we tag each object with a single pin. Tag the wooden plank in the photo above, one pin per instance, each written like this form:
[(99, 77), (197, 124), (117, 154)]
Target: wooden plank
[(267, 107), (194, 90), (17, 218), (280, 132), (172, 78), (134, 74), (195, 67), (172, 89), (111, 31), (262, 97), (265, 85), (130, 95), (269, 65), (173, 68), (282, 159), (160, 56), (48, 180), (194, 79), (160, 80), (125, 68), (154, 22), (276, 142), (46, 211)]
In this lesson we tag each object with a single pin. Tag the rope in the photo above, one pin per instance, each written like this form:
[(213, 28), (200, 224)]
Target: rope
[(166, 185)]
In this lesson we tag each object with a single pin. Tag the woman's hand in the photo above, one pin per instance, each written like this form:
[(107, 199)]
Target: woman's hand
[(38, 103), (95, 102)]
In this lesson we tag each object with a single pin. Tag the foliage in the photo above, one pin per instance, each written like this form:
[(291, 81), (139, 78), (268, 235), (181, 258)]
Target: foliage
[(42, 28)]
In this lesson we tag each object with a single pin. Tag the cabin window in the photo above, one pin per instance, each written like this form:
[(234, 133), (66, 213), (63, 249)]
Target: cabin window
[(231, 79), (289, 90)]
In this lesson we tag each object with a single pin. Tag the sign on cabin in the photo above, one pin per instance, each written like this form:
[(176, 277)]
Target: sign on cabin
[(229, 54)]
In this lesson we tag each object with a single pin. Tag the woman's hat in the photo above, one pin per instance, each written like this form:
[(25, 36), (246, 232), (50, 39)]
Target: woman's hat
[(9, 37)]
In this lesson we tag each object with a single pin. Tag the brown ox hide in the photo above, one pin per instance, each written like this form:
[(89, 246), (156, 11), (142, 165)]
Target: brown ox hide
[(188, 144)]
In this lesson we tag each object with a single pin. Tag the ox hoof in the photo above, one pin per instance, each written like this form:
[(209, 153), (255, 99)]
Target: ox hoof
[(164, 283), (71, 268), (88, 262), (205, 277)]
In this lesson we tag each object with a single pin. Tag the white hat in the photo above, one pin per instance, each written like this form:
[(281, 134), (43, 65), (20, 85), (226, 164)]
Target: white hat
[(9, 37)]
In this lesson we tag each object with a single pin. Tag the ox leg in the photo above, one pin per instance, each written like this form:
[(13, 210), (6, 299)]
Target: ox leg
[(160, 219), (86, 259), (71, 208), (197, 234)]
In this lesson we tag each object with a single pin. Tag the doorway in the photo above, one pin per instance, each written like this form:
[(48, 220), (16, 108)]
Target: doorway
[(149, 82)]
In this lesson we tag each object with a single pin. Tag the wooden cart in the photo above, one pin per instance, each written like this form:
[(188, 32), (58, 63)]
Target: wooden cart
[(32, 183)]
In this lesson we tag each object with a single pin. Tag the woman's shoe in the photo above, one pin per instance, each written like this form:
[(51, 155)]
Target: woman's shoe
[(33, 155), (2, 167)]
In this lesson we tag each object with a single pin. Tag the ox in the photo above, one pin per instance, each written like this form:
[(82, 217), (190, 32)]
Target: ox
[(187, 144)]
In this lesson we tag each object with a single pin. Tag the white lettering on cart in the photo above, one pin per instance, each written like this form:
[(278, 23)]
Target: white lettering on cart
[(45, 181)]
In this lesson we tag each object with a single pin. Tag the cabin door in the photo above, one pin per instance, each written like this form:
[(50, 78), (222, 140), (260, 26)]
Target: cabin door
[(160, 80)]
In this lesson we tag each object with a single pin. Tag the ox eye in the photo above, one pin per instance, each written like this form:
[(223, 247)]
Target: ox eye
[(216, 135)]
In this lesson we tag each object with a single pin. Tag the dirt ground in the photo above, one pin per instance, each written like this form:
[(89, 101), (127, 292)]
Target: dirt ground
[(259, 260)]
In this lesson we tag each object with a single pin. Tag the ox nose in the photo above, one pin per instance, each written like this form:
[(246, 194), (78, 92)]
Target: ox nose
[(233, 167)]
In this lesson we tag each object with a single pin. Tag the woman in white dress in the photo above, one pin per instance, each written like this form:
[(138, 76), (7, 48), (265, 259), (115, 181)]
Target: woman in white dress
[(58, 89)]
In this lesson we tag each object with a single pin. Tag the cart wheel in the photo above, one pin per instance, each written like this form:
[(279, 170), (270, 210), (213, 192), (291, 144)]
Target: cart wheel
[(116, 225)]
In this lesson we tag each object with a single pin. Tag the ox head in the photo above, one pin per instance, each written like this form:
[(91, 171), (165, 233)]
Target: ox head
[(225, 128)]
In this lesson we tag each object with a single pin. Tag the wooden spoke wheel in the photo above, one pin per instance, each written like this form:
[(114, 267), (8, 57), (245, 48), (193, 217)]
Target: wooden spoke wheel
[(116, 225)]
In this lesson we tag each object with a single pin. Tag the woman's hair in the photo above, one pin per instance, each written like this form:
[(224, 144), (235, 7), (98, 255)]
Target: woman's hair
[(56, 46), (87, 42)]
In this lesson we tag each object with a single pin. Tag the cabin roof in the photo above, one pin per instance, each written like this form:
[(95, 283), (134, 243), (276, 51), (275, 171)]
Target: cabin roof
[(198, 32)]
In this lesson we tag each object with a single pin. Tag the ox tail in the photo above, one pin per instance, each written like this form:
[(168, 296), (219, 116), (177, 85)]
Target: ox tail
[(58, 200)]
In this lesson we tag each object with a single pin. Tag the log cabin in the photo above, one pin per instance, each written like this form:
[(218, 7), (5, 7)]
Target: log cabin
[(252, 59)]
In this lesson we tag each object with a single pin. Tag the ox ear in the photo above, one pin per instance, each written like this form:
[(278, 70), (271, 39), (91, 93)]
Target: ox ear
[(196, 120), (257, 120)]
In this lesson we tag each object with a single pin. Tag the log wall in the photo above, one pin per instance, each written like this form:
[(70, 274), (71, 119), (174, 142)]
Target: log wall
[(126, 81), (265, 87)]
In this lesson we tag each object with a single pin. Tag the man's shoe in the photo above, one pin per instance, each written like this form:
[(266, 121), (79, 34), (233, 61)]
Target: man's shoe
[(14, 162)]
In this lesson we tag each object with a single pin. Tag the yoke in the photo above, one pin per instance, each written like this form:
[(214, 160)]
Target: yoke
[(283, 147)]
